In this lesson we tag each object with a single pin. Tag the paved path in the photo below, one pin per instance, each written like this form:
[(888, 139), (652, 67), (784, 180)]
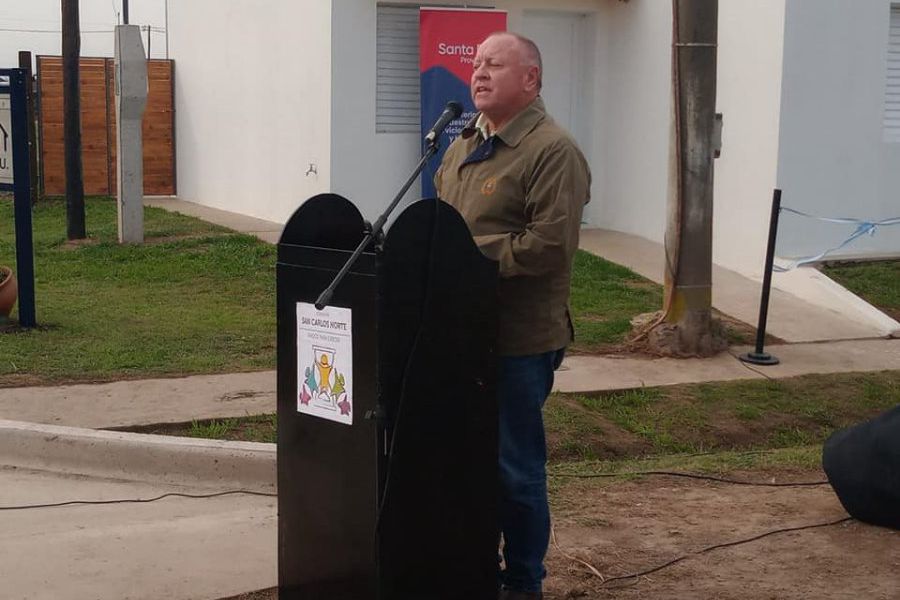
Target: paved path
[(184, 399), (142, 402), (176, 548), (268, 231), (597, 373)]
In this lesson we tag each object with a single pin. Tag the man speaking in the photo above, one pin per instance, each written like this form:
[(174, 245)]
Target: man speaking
[(521, 183)]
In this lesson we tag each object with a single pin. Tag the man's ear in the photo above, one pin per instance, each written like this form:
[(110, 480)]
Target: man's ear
[(533, 79)]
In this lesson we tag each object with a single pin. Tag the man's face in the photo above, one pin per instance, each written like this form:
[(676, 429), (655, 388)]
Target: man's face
[(501, 84)]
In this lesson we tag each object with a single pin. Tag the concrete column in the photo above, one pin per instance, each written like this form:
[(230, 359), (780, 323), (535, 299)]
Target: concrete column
[(131, 100)]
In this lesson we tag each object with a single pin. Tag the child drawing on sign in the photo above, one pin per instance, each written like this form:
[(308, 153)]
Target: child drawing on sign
[(309, 387), (323, 385), (341, 395), (325, 367)]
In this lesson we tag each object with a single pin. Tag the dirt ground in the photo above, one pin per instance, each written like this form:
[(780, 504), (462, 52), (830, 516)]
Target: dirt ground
[(625, 527), (621, 527)]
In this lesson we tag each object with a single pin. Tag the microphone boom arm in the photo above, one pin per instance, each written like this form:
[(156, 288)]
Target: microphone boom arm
[(325, 297)]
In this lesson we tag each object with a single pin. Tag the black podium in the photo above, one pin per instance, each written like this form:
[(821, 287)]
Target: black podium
[(402, 502)]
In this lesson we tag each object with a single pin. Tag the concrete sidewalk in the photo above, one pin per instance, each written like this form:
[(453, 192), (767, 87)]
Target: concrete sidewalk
[(174, 548), (268, 231), (598, 373), (142, 402), (129, 403)]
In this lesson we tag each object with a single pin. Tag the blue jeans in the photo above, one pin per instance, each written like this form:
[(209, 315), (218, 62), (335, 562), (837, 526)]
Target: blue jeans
[(524, 382)]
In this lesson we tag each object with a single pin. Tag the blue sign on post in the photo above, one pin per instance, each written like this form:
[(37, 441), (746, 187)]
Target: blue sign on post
[(15, 177)]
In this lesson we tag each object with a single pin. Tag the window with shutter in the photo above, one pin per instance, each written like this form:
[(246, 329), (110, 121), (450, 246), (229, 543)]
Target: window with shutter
[(397, 69), (892, 89)]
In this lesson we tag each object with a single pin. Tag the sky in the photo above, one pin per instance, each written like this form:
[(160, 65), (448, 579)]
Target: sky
[(35, 25)]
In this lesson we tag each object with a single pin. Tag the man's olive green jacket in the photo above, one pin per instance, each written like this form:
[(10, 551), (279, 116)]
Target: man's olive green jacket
[(522, 193)]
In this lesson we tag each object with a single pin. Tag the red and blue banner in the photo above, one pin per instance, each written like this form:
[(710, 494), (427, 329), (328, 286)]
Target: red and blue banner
[(448, 39)]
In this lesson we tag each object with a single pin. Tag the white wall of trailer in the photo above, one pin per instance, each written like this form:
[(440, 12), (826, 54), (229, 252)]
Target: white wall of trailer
[(836, 157), (253, 103), (36, 26)]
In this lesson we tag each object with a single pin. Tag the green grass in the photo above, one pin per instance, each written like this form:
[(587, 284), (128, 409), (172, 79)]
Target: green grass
[(251, 428), (196, 298), (715, 416), (605, 297), (876, 282), (570, 482), (216, 430), (802, 457), (260, 428), (729, 417)]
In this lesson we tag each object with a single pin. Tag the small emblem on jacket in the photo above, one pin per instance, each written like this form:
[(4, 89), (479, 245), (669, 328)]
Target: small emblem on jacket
[(489, 187)]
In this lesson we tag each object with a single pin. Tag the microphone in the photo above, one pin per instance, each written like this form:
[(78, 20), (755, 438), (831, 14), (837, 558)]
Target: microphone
[(451, 112)]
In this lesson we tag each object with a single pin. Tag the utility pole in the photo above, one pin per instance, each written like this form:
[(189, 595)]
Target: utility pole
[(71, 48), (686, 327)]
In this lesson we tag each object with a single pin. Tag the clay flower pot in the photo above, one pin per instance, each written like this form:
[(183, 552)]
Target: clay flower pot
[(9, 291)]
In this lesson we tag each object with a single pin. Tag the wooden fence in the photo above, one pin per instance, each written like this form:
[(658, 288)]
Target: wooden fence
[(98, 126)]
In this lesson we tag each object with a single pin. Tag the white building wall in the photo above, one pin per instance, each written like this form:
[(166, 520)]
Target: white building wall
[(369, 167), (635, 114), (833, 160), (629, 99), (252, 103), (35, 25), (637, 123), (748, 95)]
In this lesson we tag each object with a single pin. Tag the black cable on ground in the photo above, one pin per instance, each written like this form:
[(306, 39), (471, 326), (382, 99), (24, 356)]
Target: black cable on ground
[(683, 557), (274, 495), (688, 476), (757, 371), (140, 500)]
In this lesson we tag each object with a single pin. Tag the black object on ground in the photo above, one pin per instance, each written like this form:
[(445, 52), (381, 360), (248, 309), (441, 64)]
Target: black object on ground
[(862, 463)]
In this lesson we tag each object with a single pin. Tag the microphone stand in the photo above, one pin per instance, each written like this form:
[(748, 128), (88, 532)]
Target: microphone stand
[(376, 230)]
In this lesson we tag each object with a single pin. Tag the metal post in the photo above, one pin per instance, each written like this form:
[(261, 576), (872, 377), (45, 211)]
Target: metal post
[(758, 356), (71, 49), (125, 12), (22, 195), (25, 63), (167, 27)]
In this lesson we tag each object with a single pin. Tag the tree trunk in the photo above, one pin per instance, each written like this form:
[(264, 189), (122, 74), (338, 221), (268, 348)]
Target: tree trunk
[(71, 48)]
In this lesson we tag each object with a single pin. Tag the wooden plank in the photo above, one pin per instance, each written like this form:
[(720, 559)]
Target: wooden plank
[(98, 126)]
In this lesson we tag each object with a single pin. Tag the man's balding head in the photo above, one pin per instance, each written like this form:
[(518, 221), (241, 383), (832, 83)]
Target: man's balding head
[(507, 76), (530, 53)]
